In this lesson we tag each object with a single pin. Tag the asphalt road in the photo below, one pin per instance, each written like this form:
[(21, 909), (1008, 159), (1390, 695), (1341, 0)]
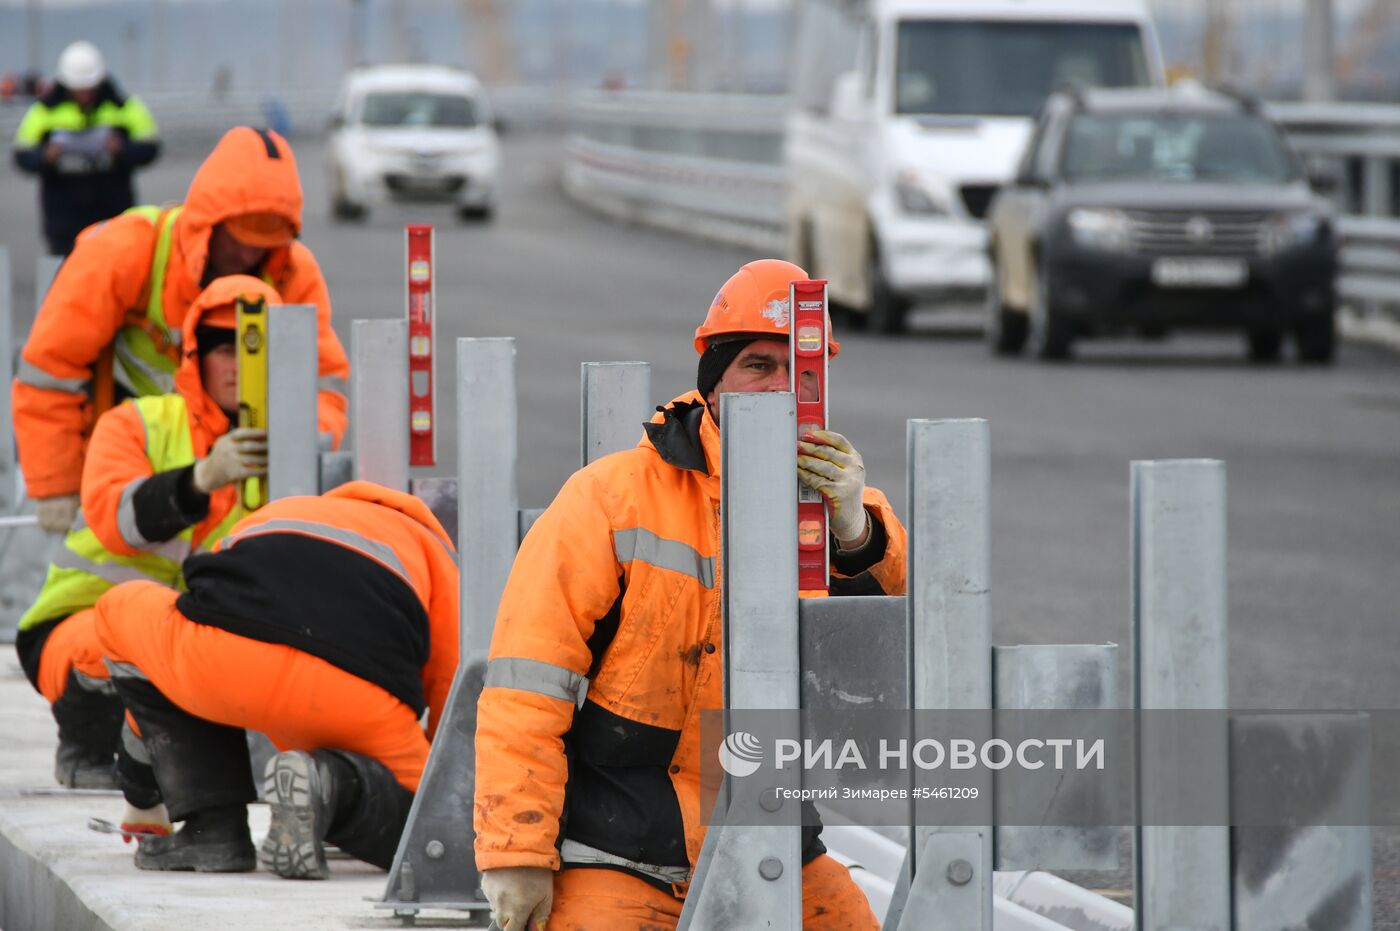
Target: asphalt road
[(1313, 455)]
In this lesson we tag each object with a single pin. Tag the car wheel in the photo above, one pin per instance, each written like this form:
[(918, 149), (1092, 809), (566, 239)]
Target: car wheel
[(476, 214), (1264, 345), (345, 210), (887, 308), (1316, 339), (1049, 334), (342, 208), (1005, 329)]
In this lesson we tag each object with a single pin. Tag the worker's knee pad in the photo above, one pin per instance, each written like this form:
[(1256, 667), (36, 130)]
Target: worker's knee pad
[(371, 807)]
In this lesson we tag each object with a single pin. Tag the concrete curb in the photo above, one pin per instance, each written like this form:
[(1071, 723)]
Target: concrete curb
[(32, 893), (56, 875)]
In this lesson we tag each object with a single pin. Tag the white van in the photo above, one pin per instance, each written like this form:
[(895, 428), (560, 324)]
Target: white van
[(908, 114)]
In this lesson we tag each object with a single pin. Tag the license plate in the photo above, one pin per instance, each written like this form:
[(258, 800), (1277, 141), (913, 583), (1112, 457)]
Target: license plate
[(1200, 273)]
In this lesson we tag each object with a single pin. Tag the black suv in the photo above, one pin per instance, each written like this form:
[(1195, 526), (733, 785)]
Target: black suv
[(1145, 210)]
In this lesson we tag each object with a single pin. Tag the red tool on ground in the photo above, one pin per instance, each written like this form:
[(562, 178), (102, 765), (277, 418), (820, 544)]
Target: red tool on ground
[(807, 363), (418, 253)]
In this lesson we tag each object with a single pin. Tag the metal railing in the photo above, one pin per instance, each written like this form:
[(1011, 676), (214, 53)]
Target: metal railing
[(711, 165)]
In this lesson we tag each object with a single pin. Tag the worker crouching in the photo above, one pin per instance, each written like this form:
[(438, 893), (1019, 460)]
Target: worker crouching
[(158, 485), (327, 623)]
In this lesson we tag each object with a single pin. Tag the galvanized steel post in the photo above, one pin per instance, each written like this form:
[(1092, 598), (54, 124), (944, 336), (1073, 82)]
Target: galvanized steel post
[(379, 401), (487, 497), (1179, 638), (45, 270), (614, 398), (8, 486), (950, 649), (292, 357), (750, 874)]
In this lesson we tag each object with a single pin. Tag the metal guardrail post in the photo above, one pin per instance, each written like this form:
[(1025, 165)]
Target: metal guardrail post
[(379, 400), (614, 398), (45, 270), (9, 489), (948, 872), (293, 468), (750, 873), (1056, 678), (487, 503), (435, 865), (1375, 186), (1315, 770), (1179, 638)]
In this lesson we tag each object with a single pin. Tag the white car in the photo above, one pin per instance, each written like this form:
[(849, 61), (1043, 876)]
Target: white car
[(413, 132)]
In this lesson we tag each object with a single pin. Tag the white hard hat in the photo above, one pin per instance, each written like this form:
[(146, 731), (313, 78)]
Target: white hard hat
[(81, 67)]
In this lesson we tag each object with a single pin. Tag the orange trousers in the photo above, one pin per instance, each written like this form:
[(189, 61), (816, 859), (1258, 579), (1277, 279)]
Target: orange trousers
[(301, 702), (72, 645), (595, 899)]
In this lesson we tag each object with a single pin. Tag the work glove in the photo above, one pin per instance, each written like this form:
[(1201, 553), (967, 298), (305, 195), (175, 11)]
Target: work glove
[(238, 454), (828, 464), (520, 896), (56, 514), (145, 821)]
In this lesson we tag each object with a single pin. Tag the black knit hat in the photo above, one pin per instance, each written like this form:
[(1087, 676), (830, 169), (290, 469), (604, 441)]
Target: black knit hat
[(207, 338), (715, 359)]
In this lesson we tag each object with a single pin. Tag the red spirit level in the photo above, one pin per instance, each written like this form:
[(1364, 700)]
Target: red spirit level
[(418, 250), (807, 363)]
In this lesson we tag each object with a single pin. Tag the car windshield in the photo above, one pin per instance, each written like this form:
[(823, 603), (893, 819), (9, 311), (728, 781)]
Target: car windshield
[(969, 68), (1175, 148), (419, 109)]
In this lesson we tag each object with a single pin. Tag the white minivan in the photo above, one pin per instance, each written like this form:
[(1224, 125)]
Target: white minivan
[(906, 117)]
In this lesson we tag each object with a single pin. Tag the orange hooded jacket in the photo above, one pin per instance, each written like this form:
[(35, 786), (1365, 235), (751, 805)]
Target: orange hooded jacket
[(607, 647), (117, 457), (103, 285)]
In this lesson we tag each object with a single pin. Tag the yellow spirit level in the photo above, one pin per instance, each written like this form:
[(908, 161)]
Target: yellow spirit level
[(252, 385)]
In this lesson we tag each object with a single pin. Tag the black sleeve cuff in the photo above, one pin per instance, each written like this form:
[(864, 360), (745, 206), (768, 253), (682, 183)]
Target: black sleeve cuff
[(167, 503), (854, 562)]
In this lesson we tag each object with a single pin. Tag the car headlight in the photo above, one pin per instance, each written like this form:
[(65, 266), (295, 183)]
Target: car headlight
[(1098, 228), (915, 198), (1285, 231)]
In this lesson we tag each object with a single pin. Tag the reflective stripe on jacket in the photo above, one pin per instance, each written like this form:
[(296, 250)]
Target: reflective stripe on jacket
[(607, 647), (84, 568)]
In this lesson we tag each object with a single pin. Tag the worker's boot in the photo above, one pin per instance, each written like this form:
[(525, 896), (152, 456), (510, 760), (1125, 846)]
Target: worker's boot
[(301, 792), (89, 717), (215, 840)]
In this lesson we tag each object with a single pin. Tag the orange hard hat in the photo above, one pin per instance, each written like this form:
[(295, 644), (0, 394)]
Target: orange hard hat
[(754, 302), (265, 229)]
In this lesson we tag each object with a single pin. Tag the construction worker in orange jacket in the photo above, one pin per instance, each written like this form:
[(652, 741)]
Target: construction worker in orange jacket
[(160, 483), (608, 646), (327, 623), (109, 326)]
